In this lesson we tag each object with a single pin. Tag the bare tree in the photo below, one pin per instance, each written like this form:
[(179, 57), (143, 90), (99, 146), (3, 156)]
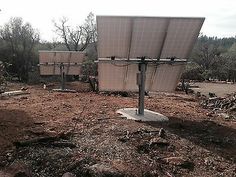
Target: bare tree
[(63, 31), (75, 36), (81, 36)]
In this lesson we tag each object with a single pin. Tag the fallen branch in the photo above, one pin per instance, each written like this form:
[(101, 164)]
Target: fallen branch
[(14, 93), (49, 140), (31, 142)]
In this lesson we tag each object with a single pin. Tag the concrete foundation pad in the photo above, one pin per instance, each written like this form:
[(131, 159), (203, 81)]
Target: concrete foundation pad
[(131, 113)]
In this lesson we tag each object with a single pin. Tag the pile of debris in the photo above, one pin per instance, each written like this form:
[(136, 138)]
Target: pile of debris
[(221, 104)]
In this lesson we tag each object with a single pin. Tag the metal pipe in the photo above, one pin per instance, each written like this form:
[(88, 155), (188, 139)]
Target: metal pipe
[(142, 69), (62, 76)]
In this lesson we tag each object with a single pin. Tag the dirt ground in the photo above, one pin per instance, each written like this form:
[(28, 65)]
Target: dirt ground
[(220, 89), (82, 134)]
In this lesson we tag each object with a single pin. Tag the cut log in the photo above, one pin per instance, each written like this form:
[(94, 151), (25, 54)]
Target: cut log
[(14, 93)]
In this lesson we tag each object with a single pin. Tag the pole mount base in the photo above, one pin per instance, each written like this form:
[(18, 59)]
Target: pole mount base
[(149, 116)]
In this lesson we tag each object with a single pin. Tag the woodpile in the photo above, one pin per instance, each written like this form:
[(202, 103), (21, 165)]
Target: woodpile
[(224, 104)]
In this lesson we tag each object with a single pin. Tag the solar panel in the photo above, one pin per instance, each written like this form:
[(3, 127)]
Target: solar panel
[(181, 36), (113, 33), (50, 62), (152, 37), (156, 38), (147, 37)]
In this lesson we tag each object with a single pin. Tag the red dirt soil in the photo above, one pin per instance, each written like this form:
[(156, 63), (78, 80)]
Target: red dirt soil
[(195, 143)]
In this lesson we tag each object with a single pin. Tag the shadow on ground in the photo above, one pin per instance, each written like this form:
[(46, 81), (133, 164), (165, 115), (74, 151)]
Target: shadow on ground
[(13, 126), (217, 138)]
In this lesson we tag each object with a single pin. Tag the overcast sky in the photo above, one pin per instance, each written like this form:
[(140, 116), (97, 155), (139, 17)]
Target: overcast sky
[(220, 14)]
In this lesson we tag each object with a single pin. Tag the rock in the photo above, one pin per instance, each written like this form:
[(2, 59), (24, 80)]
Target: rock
[(4, 174), (232, 109), (162, 133), (158, 141), (211, 95), (224, 115), (68, 174), (153, 143), (123, 139), (17, 169), (210, 114), (198, 94), (174, 160), (24, 88), (179, 161), (101, 170)]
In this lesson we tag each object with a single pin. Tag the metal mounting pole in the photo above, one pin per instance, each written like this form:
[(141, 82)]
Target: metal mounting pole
[(62, 76), (141, 84)]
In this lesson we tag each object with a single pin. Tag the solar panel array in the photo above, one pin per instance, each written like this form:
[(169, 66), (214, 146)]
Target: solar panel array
[(129, 38), (50, 62), (153, 37)]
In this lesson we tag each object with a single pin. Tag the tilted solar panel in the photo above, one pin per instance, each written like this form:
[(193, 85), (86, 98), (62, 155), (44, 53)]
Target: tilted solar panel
[(152, 37), (50, 62), (128, 38)]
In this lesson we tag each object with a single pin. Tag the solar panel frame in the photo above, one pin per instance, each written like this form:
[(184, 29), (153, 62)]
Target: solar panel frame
[(50, 62)]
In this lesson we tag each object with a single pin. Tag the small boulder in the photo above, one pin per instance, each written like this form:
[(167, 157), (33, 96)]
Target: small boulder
[(158, 141), (101, 170), (5, 174), (179, 161), (18, 169), (161, 133), (68, 174)]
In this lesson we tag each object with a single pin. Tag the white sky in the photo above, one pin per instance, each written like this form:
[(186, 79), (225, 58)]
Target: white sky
[(220, 14)]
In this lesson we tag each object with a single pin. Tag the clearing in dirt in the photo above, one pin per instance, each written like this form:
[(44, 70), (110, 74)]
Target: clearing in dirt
[(51, 133)]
